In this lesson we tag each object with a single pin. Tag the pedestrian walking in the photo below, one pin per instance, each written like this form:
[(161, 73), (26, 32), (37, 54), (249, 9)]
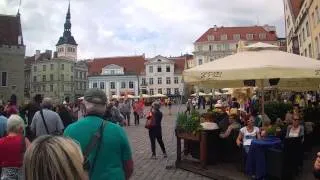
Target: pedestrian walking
[(110, 157), (46, 121), (136, 111), (155, 131), (125, 109)]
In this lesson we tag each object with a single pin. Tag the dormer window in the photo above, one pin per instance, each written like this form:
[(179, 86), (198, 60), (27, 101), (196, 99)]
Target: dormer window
[(224, 37), (210, 38), (262, 36), (249, 36), (159, 60)]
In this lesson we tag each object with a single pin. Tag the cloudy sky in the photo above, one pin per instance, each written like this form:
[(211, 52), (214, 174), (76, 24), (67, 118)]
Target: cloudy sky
[(127, 27)]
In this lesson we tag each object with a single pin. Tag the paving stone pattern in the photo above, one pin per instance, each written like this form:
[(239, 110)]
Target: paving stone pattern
[(146, 168)]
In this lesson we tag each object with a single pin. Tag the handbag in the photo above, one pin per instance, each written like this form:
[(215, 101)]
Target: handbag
[(150, 121), (56, 133)]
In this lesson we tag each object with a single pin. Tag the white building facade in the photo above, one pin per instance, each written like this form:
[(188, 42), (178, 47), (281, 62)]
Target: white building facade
[(114, 81), (164, 76)]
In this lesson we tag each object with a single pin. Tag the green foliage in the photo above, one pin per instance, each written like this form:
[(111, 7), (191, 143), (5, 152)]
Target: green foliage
[(189, 123), (276, 110)]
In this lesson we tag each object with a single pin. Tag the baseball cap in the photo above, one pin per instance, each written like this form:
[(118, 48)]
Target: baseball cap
[(95, 96)]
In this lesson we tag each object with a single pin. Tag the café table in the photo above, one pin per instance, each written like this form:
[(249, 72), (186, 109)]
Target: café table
[(256, 160)]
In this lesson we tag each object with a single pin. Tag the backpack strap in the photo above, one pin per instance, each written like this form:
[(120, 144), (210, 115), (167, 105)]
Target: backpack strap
[(44, 121)]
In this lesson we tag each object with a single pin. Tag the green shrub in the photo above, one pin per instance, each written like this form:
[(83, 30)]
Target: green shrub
[(276, 110), (189, 123)]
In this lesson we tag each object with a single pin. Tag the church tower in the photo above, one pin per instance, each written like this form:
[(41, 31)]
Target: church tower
[(67, 46)]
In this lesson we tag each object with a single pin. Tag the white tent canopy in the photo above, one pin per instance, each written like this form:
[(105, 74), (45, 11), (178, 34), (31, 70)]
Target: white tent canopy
[(260, 62), (200, 94), (158, 95)]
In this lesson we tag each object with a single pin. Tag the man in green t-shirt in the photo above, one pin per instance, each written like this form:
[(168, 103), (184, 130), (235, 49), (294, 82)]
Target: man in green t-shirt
[(112, 159)]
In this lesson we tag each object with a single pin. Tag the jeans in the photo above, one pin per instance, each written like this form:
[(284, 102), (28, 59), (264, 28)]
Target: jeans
[(155, 133), (126, 116), (136, 118)]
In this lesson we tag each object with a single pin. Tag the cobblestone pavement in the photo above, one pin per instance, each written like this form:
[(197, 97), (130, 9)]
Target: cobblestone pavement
[(148, 169)]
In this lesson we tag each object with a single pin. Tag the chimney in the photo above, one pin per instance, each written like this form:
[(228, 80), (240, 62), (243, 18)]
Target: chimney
[(55, 54), (215, 27), (48, 54), (37, 55)]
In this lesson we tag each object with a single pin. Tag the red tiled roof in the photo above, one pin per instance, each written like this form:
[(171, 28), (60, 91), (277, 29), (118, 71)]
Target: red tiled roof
[(131, 64), (180, 62), (10, 29), (243, 31), (295, 6)]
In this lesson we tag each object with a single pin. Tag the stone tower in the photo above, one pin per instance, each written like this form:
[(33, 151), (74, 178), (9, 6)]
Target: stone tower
[(67, 46)]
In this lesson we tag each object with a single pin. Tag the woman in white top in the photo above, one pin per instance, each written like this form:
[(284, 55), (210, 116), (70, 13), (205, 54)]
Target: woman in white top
[(295, 130), (248, 133)]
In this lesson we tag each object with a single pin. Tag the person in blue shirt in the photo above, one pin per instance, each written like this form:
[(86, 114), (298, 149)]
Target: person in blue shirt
[(3, 122)]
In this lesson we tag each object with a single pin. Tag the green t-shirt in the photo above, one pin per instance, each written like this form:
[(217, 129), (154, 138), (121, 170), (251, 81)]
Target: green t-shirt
[(114, 150)]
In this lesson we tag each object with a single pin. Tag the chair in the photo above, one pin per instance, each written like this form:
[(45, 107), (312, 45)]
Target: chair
[(281, 164)]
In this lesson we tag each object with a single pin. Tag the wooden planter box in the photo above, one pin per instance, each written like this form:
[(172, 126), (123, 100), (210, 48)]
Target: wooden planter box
[(188, 136)]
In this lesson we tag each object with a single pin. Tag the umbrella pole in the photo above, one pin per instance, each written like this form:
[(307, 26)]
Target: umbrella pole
[(262, 96)]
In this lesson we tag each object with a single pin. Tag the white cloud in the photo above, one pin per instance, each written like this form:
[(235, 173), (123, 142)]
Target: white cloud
[(127, 27)]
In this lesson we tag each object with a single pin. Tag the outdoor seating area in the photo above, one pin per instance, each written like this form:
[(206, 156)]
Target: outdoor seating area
[(266, 132)]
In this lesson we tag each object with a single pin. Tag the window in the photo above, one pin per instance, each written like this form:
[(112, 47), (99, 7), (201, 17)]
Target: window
[(224, 37), (71, 68), (210, 38), (210, 47), (84, 86), (44, 88), (39, 88), (249, 36), (4, 79), (43, 78), (95, 85), (84, 75), (62, 87), (226, 47), (151, 92), (44, 67), (262, 35), (62, 66), (112, 72), (219, 47), (168, 80), (123, 85), (168, 91), (51, 77), (143, 81), (51, 66), (51, 87), (101, 85), (159, 91), (159, 80), (112, 85), (176, 90), (71, 78), (317, 47), (150, 69), (34, 78), (303, 34), (200, 61), (159, 68), (199, 48), (176, 80), (131, 86), (168, 68), (150, 81), (307, 28), (236, 37), (62, 77), (35, 68), (310, 51), (80, 75), (318, 14)]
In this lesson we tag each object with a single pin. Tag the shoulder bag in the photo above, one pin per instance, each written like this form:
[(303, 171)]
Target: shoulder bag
[(56, 133)]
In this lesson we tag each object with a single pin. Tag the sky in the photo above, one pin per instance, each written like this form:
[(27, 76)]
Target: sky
[(132, 27)]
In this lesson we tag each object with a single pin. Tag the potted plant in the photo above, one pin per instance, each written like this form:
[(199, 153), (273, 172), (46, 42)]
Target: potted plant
[(188, 127)]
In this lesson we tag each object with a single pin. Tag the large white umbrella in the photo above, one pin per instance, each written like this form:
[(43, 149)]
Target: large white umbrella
[(158, 95), (259, 65), (199, 94)]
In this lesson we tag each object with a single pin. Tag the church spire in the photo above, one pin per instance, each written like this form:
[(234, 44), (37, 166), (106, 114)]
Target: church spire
[(67, 38)]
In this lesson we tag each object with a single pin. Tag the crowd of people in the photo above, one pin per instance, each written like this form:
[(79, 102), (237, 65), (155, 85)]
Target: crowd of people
[(84, 140)]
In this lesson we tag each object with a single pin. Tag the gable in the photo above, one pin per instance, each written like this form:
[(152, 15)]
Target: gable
[(113, 66)]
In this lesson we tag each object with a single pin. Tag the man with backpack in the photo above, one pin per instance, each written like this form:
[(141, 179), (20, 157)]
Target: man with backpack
[(104, 144)]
